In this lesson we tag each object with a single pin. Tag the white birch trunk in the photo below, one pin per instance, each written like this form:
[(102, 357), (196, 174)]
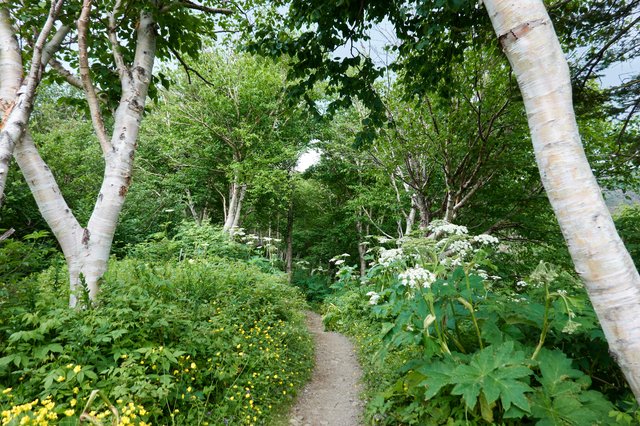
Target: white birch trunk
[(87, 249), (234, 194), (119, 162), (600, 258), (411, 218), (17, 96), (10, 80), (236, 218)]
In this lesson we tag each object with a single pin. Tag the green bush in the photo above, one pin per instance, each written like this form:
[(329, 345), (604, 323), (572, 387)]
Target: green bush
[(198, 342), (445, 341), (628, 224), (191, 241)]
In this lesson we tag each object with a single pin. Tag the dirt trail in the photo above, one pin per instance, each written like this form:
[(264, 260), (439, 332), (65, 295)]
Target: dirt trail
[(331, 398)]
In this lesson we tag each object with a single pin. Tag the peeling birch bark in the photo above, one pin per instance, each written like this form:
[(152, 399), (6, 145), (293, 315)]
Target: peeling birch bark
[(87, 249), (17, 96), (600, 258), (10, 80)]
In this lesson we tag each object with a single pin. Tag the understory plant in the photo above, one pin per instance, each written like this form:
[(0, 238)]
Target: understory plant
[(448, 340), (207, 341)]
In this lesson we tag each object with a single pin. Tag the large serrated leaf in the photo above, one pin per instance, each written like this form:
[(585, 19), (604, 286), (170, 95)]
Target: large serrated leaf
[(438, 375), (499, 372), (561, 399)]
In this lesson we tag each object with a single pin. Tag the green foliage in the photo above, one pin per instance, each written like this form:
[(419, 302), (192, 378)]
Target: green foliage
[(316, 287), (206, 341), (627, 223), (191, 241), (438, 327)]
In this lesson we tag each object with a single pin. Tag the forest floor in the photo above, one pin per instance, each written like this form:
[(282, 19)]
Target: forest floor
[(332, 396)]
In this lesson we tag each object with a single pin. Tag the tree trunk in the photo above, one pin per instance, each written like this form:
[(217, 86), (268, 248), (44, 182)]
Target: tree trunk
[(235, 195), (10, 80), (236, 217), (362, 249), (289, 254), (529, 41), (17, 96), (411, 217), (86, 250), (424, 210)]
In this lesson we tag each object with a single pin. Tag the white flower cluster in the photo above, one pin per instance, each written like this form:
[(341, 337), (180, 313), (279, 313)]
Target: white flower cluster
[(414, 277), (439, 227), (486, 239), (461, 248), (339, 259), (373, 297), (387, 257), (570, 327)]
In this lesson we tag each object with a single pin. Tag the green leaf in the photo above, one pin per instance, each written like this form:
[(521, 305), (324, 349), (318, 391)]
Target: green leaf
[(562, 398), (499, 372), (438, 375)]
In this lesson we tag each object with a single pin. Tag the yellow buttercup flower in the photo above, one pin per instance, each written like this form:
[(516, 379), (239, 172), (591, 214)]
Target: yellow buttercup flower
[(77, 369)]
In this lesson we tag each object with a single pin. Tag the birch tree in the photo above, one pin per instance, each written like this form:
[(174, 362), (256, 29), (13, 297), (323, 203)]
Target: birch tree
[(612, 281), (17, 95), (130, 36)]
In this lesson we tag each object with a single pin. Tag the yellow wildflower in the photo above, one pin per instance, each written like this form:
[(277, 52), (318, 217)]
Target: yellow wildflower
[(69, 412)]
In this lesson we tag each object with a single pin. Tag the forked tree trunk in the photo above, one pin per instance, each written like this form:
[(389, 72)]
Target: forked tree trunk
[(236, 217), (600, 258), (87, 249), (236, 196)]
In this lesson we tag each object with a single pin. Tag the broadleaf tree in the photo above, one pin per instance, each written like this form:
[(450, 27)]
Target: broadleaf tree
[(109, 50)]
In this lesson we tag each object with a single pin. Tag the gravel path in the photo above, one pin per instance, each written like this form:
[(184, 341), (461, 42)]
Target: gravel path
[(331, 398)]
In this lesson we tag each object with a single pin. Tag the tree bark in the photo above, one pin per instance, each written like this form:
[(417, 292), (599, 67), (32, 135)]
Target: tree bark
[(289, 253), (10, 80), (17, 96), (234, 195), (600, 258), (424, 210), (236, 218), (87, 249)]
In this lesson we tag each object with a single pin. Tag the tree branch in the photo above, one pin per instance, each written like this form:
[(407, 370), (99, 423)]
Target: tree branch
[(53, 45), (35, 73), (7, 234), (89, 89), (66, 74), (215, 10), (115, 45), (187, 68)]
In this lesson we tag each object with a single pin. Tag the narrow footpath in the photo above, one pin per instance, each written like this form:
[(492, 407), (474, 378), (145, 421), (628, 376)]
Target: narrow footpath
[(331, 398)]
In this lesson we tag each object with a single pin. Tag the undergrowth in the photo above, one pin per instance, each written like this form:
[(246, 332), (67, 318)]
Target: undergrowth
[(205, 341)]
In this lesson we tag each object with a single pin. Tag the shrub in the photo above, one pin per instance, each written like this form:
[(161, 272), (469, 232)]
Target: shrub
[(445, 340), (200, 342)]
